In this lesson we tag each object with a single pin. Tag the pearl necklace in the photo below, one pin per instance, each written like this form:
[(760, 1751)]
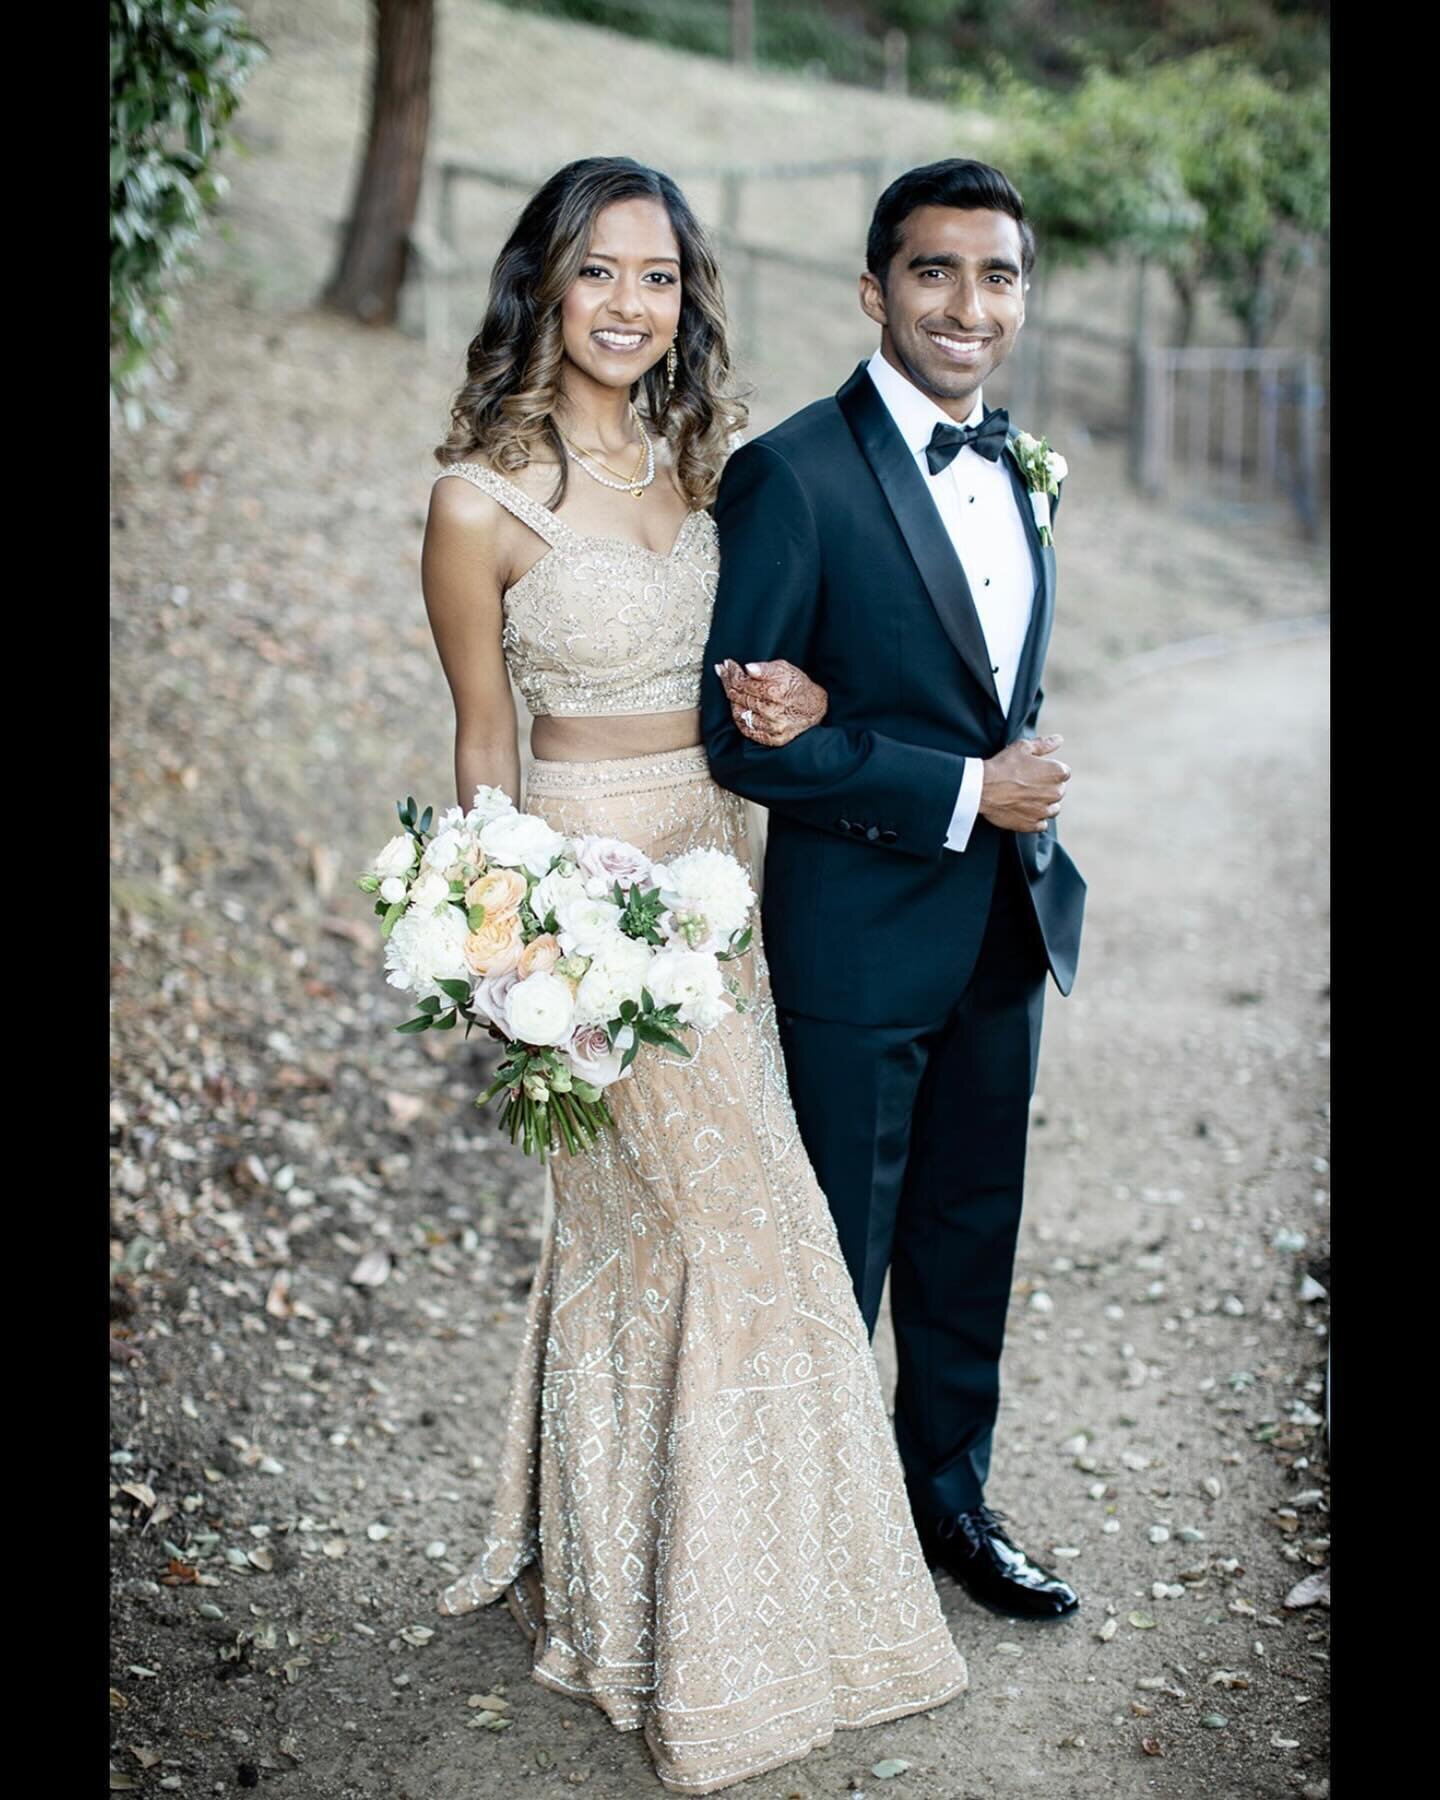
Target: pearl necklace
[(637, 484)]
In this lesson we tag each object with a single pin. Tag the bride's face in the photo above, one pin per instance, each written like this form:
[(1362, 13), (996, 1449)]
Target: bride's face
[(621, 312)]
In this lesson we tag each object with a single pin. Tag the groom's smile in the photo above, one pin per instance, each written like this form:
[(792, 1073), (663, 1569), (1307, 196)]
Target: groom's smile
[(951, 301)]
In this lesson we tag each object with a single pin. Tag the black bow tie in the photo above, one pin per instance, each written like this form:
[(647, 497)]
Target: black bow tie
[(987, 440)]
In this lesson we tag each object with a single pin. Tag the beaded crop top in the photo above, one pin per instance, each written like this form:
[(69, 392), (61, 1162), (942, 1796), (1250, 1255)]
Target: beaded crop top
[(598, 626)]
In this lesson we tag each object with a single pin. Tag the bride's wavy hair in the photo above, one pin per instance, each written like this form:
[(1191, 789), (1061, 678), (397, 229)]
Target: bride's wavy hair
[(504, 412)]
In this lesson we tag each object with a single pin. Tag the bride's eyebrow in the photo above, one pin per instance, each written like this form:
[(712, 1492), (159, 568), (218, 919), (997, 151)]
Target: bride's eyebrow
[(609, 256)]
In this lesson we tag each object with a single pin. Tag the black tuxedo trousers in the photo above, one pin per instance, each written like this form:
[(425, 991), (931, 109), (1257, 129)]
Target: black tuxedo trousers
[(917, 1135)]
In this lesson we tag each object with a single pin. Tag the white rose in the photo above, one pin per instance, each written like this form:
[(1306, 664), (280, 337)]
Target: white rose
[(430, 890), (452, 819), (553, 891), (520, 840), (1059, 468), (541, 1010), (691, 980), (489, 803), (397, 858), (392, 888), (586, 924), (592, 1057), (447, 850), (426, 948)]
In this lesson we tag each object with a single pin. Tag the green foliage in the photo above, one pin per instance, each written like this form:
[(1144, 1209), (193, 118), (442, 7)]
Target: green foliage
[(177, 68), (1050, 42), (1204, 164)]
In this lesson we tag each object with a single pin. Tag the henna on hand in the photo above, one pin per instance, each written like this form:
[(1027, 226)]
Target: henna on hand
[(781, 700)]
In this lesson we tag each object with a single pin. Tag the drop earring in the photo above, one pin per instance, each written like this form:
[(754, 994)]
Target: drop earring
[(671, 359)]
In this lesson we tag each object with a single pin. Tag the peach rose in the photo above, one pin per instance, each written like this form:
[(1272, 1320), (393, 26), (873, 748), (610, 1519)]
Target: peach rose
[(499, 892), (495, 948), (539, 956)]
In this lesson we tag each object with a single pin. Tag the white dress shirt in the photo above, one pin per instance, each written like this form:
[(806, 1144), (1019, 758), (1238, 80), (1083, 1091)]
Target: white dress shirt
[(976, 503)]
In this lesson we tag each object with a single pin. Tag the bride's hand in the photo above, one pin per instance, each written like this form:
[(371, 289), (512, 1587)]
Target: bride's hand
[(772, 702)]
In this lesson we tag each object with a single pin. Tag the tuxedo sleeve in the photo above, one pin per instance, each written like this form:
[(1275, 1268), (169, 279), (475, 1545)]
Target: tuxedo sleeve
[(847, 780)]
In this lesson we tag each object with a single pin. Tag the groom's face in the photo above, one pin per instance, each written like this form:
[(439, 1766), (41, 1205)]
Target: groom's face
[(951, 301)]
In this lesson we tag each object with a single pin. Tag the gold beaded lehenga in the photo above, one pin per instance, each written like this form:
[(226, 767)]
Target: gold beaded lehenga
[(699, 1516)]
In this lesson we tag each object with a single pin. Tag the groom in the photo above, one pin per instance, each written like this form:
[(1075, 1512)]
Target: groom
[(915, 893)]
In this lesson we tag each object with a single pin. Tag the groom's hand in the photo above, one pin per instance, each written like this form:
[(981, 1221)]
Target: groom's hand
[(772, 702), (1024, 785)]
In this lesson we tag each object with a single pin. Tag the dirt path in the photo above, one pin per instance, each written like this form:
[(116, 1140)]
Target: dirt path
[(1180, 1124)]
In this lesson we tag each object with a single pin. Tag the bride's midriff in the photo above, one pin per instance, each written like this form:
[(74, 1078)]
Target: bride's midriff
[(555, 739)]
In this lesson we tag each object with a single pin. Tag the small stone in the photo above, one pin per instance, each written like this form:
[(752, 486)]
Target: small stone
[(436, 1549), (1215, 1721), (1067, 1551), (1009, 1650), (1159, 1534), (1310, 1289), (1288, 1241), (1041, 1302), (1096, 1490), (1211, 1485), (1110, 1527), (1187, 1534), (1233, 1305), (1107, 1631)]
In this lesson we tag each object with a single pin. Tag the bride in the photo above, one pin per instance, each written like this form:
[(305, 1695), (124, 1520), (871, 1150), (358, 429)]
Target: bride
[(699, 1518)]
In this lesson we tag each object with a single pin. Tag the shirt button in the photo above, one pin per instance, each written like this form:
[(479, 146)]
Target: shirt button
[(987, 581), (972, 499)]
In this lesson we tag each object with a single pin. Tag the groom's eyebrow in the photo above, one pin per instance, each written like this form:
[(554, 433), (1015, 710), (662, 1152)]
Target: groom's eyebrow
[(946, 259)]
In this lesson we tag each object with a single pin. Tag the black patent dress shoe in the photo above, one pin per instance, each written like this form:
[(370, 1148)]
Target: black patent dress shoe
[(973, 1548)]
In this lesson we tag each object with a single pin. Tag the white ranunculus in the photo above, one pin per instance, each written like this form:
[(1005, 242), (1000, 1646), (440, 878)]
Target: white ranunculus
[(691, 980), (450, 848), (617, 974), (392, 888), (489, 803), (520, 840), (452, 819), (713, 884), (397, 858), (608, 860), (1059, 468), (541, 1010), (426, 948), (430, 890), (592, 1058), (585, 924)]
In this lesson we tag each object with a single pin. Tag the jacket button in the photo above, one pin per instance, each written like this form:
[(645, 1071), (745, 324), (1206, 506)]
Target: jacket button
[(888, 837), (873, 833), (844, 824)]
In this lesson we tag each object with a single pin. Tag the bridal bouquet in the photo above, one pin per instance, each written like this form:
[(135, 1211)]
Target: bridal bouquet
[(574, 953)]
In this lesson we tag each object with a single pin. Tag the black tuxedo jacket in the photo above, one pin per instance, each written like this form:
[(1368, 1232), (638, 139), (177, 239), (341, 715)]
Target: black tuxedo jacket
[(834, 556)]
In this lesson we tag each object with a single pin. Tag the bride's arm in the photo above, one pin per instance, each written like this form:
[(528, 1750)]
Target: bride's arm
[(462, 572)]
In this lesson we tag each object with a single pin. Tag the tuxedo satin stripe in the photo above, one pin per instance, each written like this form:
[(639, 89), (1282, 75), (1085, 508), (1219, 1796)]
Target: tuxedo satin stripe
[(1042, 614), (893, 466)]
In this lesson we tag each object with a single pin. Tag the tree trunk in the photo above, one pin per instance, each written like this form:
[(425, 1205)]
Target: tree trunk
[(371, 268)]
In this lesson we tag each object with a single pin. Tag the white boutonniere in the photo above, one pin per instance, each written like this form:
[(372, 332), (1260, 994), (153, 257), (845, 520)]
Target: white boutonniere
[(1044, 469)]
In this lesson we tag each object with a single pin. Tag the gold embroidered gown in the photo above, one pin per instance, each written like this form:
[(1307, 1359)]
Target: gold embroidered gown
[(699, 1514)]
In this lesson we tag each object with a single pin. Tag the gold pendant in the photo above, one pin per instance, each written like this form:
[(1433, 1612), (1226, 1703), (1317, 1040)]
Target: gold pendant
[(635, 493)]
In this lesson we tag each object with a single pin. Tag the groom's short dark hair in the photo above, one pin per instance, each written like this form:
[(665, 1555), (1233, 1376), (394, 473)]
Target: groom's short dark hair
[(957, 181)]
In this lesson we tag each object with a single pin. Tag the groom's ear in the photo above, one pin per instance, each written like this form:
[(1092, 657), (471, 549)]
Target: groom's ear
[(872, 298)]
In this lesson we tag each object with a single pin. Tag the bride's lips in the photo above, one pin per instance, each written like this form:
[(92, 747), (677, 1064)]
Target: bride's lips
[(621, 343), (959, 347)]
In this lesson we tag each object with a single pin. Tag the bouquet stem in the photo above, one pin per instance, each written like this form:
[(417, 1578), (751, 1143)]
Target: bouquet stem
[(565, 1122)]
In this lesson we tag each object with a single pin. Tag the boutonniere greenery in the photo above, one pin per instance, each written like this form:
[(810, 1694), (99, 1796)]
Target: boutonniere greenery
[(1044, 469)]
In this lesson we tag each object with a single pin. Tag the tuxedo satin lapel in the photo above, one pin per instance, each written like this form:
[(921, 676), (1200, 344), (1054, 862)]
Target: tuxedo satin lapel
[(1042, 612), (919, 523)]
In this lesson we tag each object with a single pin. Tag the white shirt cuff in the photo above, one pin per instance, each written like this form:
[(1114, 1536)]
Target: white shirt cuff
[(967, 805)]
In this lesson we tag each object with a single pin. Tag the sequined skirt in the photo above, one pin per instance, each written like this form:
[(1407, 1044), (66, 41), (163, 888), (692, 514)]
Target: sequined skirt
[(699, 1512)]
